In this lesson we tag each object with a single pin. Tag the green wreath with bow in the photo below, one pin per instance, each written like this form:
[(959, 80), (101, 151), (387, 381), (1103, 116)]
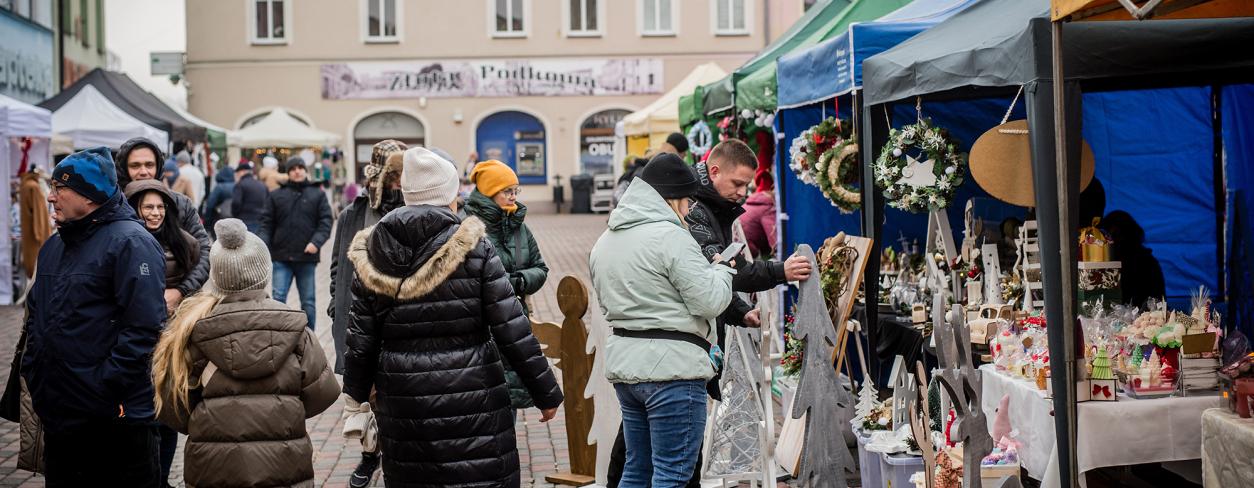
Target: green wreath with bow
[(903, 173)]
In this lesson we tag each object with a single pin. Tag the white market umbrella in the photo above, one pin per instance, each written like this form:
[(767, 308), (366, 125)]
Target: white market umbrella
[(89, 119), (280, 129)]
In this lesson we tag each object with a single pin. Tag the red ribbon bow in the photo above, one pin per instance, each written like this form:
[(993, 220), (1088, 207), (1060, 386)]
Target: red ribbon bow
[(1103, 389)]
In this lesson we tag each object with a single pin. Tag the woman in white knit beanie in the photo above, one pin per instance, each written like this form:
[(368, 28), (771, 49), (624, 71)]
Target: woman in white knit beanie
[(241, 373)]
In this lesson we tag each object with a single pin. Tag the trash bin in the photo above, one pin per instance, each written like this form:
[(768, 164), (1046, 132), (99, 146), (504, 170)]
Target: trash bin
[(581, 193), (896, 469)]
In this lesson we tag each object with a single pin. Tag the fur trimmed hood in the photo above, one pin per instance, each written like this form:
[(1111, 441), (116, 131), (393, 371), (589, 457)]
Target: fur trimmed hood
[(435, 267)]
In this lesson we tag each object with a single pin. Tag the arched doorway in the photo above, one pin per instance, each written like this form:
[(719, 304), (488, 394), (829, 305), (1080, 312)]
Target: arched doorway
[(516, 139), (385, 125), (596, 141)]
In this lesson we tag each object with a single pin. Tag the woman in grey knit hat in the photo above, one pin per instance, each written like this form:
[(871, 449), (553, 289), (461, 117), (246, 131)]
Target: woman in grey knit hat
[(241, 373)]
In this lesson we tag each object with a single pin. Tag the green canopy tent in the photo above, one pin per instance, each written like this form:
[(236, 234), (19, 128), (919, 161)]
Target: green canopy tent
[(755, 87)]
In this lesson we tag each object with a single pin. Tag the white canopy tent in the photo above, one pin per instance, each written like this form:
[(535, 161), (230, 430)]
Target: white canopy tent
[(90, 120), (280, 129), (660, 118), (231, 138), (18, 121)]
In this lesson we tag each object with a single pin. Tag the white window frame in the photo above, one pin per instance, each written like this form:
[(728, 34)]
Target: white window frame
[(251, 9), (382, 39), (748, 30), (526, 18), (640, 25), (598, 32)]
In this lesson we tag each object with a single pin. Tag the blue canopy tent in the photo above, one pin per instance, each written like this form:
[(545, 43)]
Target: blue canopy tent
[(819, 82), (1151, 98)]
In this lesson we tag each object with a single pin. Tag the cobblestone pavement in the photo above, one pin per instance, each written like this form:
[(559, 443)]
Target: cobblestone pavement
[(565, 241)]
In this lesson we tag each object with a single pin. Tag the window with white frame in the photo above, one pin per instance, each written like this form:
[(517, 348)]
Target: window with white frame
[(509, 18), (657, 17), (583, 17), (731, 17), (381, 18), (269, 21)]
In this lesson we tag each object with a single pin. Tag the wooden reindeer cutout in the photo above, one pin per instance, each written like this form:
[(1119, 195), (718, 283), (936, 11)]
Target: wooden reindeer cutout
[(567, 344), (962, 383), (820, 396)]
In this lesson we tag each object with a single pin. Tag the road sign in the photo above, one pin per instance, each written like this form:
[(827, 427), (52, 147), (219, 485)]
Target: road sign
[(166, 63)]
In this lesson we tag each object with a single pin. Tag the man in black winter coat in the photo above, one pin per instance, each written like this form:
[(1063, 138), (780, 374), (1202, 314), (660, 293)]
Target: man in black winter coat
[(248, 198), (295, 225)]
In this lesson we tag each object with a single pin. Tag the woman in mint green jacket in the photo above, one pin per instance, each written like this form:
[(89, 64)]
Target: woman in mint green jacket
[(661, 297)]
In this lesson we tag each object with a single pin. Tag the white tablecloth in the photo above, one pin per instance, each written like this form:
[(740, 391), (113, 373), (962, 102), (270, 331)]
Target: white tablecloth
[(1227, 441), (1120, 433)]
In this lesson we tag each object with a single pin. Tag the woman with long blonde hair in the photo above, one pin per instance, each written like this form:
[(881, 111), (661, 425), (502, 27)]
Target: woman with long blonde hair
[(242, 373)]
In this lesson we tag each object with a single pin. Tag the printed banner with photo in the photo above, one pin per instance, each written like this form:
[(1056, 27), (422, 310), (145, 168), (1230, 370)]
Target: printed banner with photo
[(492, 78)]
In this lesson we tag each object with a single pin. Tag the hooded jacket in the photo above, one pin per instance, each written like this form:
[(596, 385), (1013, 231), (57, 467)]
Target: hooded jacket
[(95, 312), (296, 214), (174, 273), (433, 313), (710, 219), (649, 273), (266, 375), (189, 219), (365, 211)]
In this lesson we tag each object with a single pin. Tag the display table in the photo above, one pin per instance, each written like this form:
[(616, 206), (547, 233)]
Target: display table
[(1227, 441), (1120, 433)]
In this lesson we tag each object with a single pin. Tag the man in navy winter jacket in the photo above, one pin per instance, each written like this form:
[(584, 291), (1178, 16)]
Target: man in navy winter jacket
[(95, 312)]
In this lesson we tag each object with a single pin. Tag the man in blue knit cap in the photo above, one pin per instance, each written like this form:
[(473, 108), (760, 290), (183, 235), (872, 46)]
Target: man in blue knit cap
[(94, 315)]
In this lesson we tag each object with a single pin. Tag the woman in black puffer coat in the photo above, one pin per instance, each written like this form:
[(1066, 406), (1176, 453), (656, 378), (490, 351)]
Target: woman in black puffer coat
[(430, 300)]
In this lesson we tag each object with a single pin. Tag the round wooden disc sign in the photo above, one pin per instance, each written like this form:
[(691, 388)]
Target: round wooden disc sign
[(1001, 163)]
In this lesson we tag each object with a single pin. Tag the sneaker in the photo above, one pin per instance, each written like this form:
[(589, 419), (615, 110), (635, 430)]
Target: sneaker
[(365, 470)]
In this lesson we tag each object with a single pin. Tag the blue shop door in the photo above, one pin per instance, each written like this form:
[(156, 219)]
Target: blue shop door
[(516, 139)]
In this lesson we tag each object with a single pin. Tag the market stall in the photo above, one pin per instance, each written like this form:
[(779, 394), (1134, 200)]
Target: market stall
[(124, 93), (89, 119), (1154, 129), (25, 139)]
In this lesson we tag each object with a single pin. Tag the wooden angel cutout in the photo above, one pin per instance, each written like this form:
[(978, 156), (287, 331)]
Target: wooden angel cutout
[(820, 396), (962, 383), (567, 344)]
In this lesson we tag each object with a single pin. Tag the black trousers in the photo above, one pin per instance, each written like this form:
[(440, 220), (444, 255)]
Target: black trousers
[(169, 446), (103, 453), (618, 459)]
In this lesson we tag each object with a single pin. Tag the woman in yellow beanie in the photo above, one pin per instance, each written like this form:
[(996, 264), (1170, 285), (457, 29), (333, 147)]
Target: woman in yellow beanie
[(495, 202)]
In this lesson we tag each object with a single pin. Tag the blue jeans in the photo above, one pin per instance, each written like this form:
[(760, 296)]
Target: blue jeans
[(304, 273), (663, 425)]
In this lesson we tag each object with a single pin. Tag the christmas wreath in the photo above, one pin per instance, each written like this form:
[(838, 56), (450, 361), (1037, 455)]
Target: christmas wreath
[(826, 156), (917, 186), (700, 138), (833, 172)]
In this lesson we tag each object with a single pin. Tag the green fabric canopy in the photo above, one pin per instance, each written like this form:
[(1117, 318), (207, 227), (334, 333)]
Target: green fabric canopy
[(754, 83)]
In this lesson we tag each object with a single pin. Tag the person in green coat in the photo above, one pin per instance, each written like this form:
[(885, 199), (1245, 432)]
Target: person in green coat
[(495, 202), (661, 296)]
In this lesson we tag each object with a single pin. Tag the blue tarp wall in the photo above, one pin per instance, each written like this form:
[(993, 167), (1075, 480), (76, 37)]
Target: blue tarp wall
[(1237, 103)]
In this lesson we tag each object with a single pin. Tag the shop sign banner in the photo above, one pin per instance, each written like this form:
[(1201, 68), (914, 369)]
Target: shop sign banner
[(25, 60), (492, 78)]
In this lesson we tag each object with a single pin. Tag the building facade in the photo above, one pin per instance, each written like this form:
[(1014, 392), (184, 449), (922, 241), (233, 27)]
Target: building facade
[(537, 84), (27, 62), (80, 42)]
